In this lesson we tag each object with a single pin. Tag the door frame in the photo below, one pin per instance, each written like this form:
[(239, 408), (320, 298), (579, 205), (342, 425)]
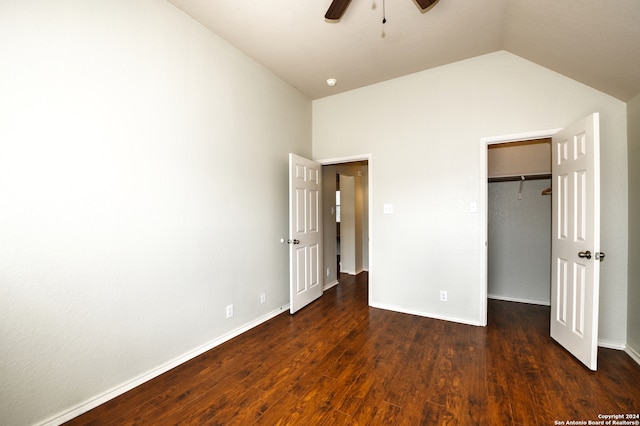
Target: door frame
[(352, 159), (484, 201)]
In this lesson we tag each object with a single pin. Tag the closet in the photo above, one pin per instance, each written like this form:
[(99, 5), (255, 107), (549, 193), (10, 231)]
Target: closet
[(519, 221)]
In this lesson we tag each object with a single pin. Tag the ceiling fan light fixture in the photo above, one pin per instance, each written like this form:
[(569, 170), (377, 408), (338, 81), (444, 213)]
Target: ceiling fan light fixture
[(331, 82)]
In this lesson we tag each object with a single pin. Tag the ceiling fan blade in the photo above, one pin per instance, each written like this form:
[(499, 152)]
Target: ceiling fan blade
[(336, 9), (425, 3)]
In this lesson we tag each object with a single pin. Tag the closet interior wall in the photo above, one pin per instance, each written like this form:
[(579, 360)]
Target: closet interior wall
[(519, 222)]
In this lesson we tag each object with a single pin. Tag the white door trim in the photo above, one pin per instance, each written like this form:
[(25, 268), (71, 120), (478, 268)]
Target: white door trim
[(484, 196), (351, 159)]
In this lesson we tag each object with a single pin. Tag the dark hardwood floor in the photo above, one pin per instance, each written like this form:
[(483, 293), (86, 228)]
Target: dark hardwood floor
[(340, 362)]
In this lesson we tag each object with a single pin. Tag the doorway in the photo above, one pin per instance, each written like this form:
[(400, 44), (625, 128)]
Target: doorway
[(519, 221), (353, 241), (575, 277), (484, 196)]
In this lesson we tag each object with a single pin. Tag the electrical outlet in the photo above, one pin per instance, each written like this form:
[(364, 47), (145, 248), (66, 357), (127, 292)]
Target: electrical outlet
[(443, 296), (263, 297), (229, 311)]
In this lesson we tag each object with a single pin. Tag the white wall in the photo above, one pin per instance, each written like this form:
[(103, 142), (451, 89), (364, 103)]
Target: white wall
[(143, 187), (347, 225), (424, 133), (364, 195), (633, 313)]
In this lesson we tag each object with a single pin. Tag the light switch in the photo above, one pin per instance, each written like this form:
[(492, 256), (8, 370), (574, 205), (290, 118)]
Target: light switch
[(388, 208)]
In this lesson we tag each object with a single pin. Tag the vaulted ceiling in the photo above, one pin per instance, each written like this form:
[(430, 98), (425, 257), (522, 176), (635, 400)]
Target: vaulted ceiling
[(594, 42)]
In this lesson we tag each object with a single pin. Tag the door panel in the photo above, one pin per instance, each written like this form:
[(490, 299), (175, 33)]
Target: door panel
[(305, 232), (562, 285), (576, 239)]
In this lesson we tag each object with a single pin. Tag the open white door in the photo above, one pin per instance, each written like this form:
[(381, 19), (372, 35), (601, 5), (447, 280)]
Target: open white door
[(575, 247), (305, 232)]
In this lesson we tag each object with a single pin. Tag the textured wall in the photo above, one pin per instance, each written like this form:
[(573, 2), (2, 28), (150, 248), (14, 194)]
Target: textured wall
[(424, 132), (143, 187), (633, 317)]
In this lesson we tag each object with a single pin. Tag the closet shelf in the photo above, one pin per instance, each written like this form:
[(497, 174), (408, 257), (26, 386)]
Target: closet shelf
[(514, 178)]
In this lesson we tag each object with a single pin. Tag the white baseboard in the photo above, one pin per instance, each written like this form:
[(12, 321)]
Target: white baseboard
[(423, 314), (92, 403), (356, 272), (329, 285), (519, 300), (634, 354), (611, 345)]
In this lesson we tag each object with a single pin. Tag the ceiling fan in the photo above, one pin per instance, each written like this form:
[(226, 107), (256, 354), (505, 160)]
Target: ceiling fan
[(337, 8)]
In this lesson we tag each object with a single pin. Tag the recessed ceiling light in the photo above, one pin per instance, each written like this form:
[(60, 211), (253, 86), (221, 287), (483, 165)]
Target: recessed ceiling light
[(331, 82)]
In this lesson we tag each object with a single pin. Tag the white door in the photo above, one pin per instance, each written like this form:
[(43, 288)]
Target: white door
[(576, 239), (305, 232)]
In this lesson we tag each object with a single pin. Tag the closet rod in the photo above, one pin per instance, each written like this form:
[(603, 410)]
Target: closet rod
[(519, 177)]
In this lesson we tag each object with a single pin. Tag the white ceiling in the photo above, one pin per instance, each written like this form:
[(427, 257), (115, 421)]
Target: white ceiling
[(595, 42)]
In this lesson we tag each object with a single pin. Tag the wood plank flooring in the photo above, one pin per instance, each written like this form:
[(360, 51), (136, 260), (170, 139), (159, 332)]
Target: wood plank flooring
[(340, 362)]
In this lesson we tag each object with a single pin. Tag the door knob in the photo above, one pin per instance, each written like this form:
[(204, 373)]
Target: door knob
[(585, 254), (293, 241), (600, 256)]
